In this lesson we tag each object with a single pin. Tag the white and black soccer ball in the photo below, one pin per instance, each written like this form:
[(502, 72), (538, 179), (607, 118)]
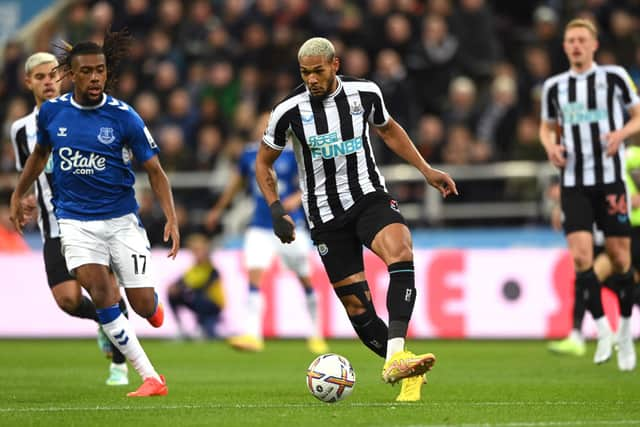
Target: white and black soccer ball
[(331, 378)]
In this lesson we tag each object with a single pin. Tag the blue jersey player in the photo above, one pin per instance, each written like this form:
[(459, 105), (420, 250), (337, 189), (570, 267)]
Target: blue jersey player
[(261, 245), (41, 77), (91, 138)]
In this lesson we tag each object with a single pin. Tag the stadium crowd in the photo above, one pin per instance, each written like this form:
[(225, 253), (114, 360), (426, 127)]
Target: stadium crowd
[(463, 77)]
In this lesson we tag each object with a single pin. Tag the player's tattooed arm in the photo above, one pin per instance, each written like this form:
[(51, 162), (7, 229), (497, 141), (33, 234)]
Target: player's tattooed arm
[(265, 174), (283, 225)]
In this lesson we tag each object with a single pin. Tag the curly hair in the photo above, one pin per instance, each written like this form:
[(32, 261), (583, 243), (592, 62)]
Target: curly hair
[(115, 47)]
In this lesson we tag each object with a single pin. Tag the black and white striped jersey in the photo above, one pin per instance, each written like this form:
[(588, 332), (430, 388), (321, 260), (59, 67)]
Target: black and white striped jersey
[(586, 106), (23, 138), (331, 140)]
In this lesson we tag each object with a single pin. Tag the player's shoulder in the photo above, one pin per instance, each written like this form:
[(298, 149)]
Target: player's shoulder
[(118, 107), (556, 78), (297, 95), (55, 104), (359, 84), (614, 69), (22, 122)]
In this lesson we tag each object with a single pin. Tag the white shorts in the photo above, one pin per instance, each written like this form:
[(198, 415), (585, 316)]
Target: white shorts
[(261, 246), (119, 243)]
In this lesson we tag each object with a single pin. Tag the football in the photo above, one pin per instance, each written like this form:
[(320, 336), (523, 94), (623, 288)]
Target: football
[(331, 378)]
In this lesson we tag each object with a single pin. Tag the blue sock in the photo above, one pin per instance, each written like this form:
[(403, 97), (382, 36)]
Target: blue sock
[(108, 314)]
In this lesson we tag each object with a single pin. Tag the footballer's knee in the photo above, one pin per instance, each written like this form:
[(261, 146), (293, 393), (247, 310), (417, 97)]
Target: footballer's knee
[(67, 295), (67, 303), (142, 300), (355, 297)]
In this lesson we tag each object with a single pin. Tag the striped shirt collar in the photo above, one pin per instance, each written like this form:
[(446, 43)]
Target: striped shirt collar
[(584, 74)]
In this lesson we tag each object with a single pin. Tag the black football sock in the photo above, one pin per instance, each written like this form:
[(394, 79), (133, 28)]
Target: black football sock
[(370, 328), (589, 282), (625, 286), (401, 297), (85, 310), (579, 305)]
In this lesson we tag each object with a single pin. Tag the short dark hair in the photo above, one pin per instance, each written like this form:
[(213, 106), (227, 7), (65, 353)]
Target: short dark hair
[(114, 48)]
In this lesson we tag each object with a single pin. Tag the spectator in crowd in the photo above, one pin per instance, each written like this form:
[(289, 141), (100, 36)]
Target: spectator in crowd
[(461, 105), (430, 137), (496, 124), (477, 53), (432, 62), (174, 155), (536, 69), (199, 290)]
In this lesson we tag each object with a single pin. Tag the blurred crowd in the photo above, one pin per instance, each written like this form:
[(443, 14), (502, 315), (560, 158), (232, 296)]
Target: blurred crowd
[(462, 76)]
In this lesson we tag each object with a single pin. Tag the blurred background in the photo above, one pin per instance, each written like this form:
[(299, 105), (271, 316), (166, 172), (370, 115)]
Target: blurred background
[(462, 76)]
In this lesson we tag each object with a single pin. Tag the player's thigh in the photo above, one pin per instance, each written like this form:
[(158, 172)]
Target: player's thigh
[(381, 210), (612, 211), (83, 242), (130, 253), (295, 255), (577, 209), (259, 248), (340, 251)]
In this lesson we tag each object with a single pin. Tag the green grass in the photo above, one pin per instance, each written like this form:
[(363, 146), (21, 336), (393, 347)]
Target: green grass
[(474, 383)]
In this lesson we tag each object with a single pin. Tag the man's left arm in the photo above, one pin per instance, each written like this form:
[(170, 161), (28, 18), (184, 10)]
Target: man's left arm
[(399, 142), (615, 138), (162, 189)]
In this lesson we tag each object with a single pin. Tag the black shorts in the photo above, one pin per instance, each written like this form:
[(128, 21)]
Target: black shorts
[(606, 205), (339, 242), (54, 263)]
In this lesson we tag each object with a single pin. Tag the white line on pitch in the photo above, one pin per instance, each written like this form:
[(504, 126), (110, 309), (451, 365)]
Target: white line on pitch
[(310, 405)]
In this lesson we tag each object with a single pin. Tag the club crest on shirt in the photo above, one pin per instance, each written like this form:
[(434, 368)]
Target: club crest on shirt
[(356, 108), (393, 204), (106, 136)]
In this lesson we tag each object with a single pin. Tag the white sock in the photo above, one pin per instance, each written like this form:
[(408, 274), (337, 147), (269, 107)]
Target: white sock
[(312, 307), (120, 366), (124, 337), (603, 327), (255, 307), (576, 335), (624, 328), (394, 345)]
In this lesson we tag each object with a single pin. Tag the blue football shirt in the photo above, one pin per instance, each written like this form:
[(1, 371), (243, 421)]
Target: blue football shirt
[(287, 170), (91, 151)]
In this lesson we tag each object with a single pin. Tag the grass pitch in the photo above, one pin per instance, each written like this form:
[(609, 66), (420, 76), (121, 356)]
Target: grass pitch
[(474, 383)]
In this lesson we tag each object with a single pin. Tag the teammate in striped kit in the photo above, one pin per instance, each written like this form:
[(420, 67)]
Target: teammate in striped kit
[(41, 77), (92, 137), (583, 132), (346, 202)]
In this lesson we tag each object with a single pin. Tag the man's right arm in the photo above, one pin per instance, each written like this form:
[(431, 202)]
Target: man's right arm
[(555, 152), (35, 165), (283, 225)]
